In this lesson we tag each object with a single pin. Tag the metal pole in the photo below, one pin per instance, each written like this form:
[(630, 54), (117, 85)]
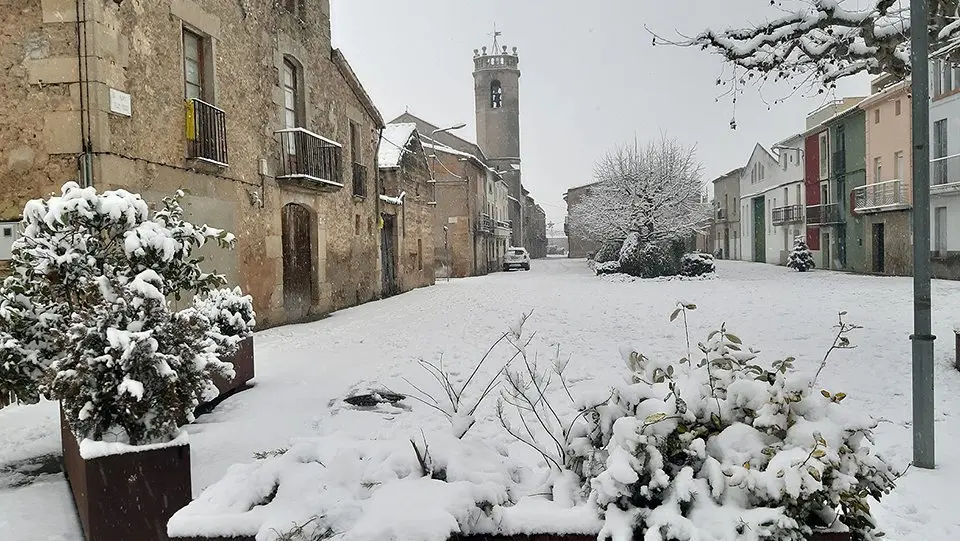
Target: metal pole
[(922, 339)]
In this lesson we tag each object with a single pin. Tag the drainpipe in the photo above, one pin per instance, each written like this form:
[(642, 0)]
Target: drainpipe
[(85, 160)]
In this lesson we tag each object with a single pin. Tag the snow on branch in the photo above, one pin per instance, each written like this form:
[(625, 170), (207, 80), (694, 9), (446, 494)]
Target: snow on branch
[(825, 40), (653, 190)]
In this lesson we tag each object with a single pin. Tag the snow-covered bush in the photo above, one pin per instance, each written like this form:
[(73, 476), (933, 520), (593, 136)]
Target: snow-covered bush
[(87, 308), (697, 264), (610, 267), (652, 259), (231, 317), (610, 251), (727, 449), (800, 258)]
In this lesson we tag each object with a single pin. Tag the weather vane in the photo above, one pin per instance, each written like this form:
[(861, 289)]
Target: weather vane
[(496, 34)]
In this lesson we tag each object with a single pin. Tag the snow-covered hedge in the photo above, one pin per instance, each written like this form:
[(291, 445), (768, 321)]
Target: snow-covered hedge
[(650, 259), (728, 449), (697, 264), (85, 316), (610, 267)]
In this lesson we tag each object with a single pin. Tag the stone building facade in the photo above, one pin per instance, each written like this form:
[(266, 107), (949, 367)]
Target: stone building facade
[(408, 199), (579, 247), (534, 228), (244, 105), (726, 224), (470, 242)]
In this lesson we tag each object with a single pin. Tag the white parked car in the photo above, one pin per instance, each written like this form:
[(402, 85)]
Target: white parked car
[(516, 258)]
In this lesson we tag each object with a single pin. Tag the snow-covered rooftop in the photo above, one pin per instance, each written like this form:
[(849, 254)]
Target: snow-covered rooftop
[(396, 137)]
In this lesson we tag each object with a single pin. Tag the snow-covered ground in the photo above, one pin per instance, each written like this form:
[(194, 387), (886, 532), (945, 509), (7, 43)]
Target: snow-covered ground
[(303, 370)]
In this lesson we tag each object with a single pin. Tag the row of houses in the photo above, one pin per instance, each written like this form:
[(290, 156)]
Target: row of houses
[(844, 183), (248, 108)]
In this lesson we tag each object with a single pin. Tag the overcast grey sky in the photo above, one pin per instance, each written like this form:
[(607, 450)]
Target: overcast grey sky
[(590, 77)]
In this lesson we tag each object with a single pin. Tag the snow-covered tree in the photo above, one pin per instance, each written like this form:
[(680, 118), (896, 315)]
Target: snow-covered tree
[(653, 191), (85, 317), (800, 258), (822, 41)]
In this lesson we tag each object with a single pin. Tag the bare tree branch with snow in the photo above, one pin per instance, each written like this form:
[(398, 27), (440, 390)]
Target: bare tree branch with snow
[(655, 190), (822, 41)]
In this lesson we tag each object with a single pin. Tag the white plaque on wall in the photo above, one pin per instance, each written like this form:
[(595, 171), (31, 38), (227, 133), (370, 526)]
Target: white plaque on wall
[(119, 102)]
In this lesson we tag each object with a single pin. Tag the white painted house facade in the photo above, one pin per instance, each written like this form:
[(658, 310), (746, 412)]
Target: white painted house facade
[(786, 200), (945, 169)]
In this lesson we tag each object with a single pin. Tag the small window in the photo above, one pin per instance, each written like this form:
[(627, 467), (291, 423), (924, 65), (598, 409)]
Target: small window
[(356, 224), (496, 94), (7, 231), (876, 115), (896, 108)]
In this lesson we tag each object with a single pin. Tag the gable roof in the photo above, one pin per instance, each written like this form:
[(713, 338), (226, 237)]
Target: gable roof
[(446, 138), (396, 138), (732, 173)]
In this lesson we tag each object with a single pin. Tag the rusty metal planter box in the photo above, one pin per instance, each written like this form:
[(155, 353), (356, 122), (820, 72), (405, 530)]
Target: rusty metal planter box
[(243, 366), (127, 496), (536, 537)]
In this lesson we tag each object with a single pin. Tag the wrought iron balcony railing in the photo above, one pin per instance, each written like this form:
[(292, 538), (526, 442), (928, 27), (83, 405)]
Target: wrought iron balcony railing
[(945, 173), (485, 224), (359, 180), (886, 195), (831, 213), (206, 132), (305, 155), (790, 214)]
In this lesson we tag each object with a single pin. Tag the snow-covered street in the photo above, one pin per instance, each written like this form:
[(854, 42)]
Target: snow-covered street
[(303, 370)]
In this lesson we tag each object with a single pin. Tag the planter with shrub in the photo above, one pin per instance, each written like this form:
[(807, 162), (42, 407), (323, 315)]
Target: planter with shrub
[(697, 264), (87, 322)]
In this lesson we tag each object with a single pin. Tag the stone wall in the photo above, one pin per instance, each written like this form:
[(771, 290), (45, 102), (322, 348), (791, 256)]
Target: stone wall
[(135, 48), (897, 245), (458, 210), (414, 237), (579, 246)]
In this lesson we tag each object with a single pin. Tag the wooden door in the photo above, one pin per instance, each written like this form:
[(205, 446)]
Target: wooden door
[(388, 256), (297, 261), (759, 230)]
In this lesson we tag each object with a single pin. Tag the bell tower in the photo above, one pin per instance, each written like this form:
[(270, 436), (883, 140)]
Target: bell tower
[(496, 77)]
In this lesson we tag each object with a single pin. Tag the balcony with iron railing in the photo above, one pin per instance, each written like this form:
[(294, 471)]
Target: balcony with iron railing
[(945, 174), (830, 213), (306, 156), (485, 224), (359, 180), (881, 196), (206, 132), (790, 214)]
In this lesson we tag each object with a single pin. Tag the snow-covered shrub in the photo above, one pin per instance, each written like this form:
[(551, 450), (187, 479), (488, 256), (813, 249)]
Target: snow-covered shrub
[(800, 258), (87, 306), (231, 317), (609, 251), (727, 449), (697, 264), (652, 259), (610, 267)]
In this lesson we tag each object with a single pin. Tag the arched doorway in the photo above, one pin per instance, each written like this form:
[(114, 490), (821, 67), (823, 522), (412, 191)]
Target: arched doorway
[(297, 261)]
